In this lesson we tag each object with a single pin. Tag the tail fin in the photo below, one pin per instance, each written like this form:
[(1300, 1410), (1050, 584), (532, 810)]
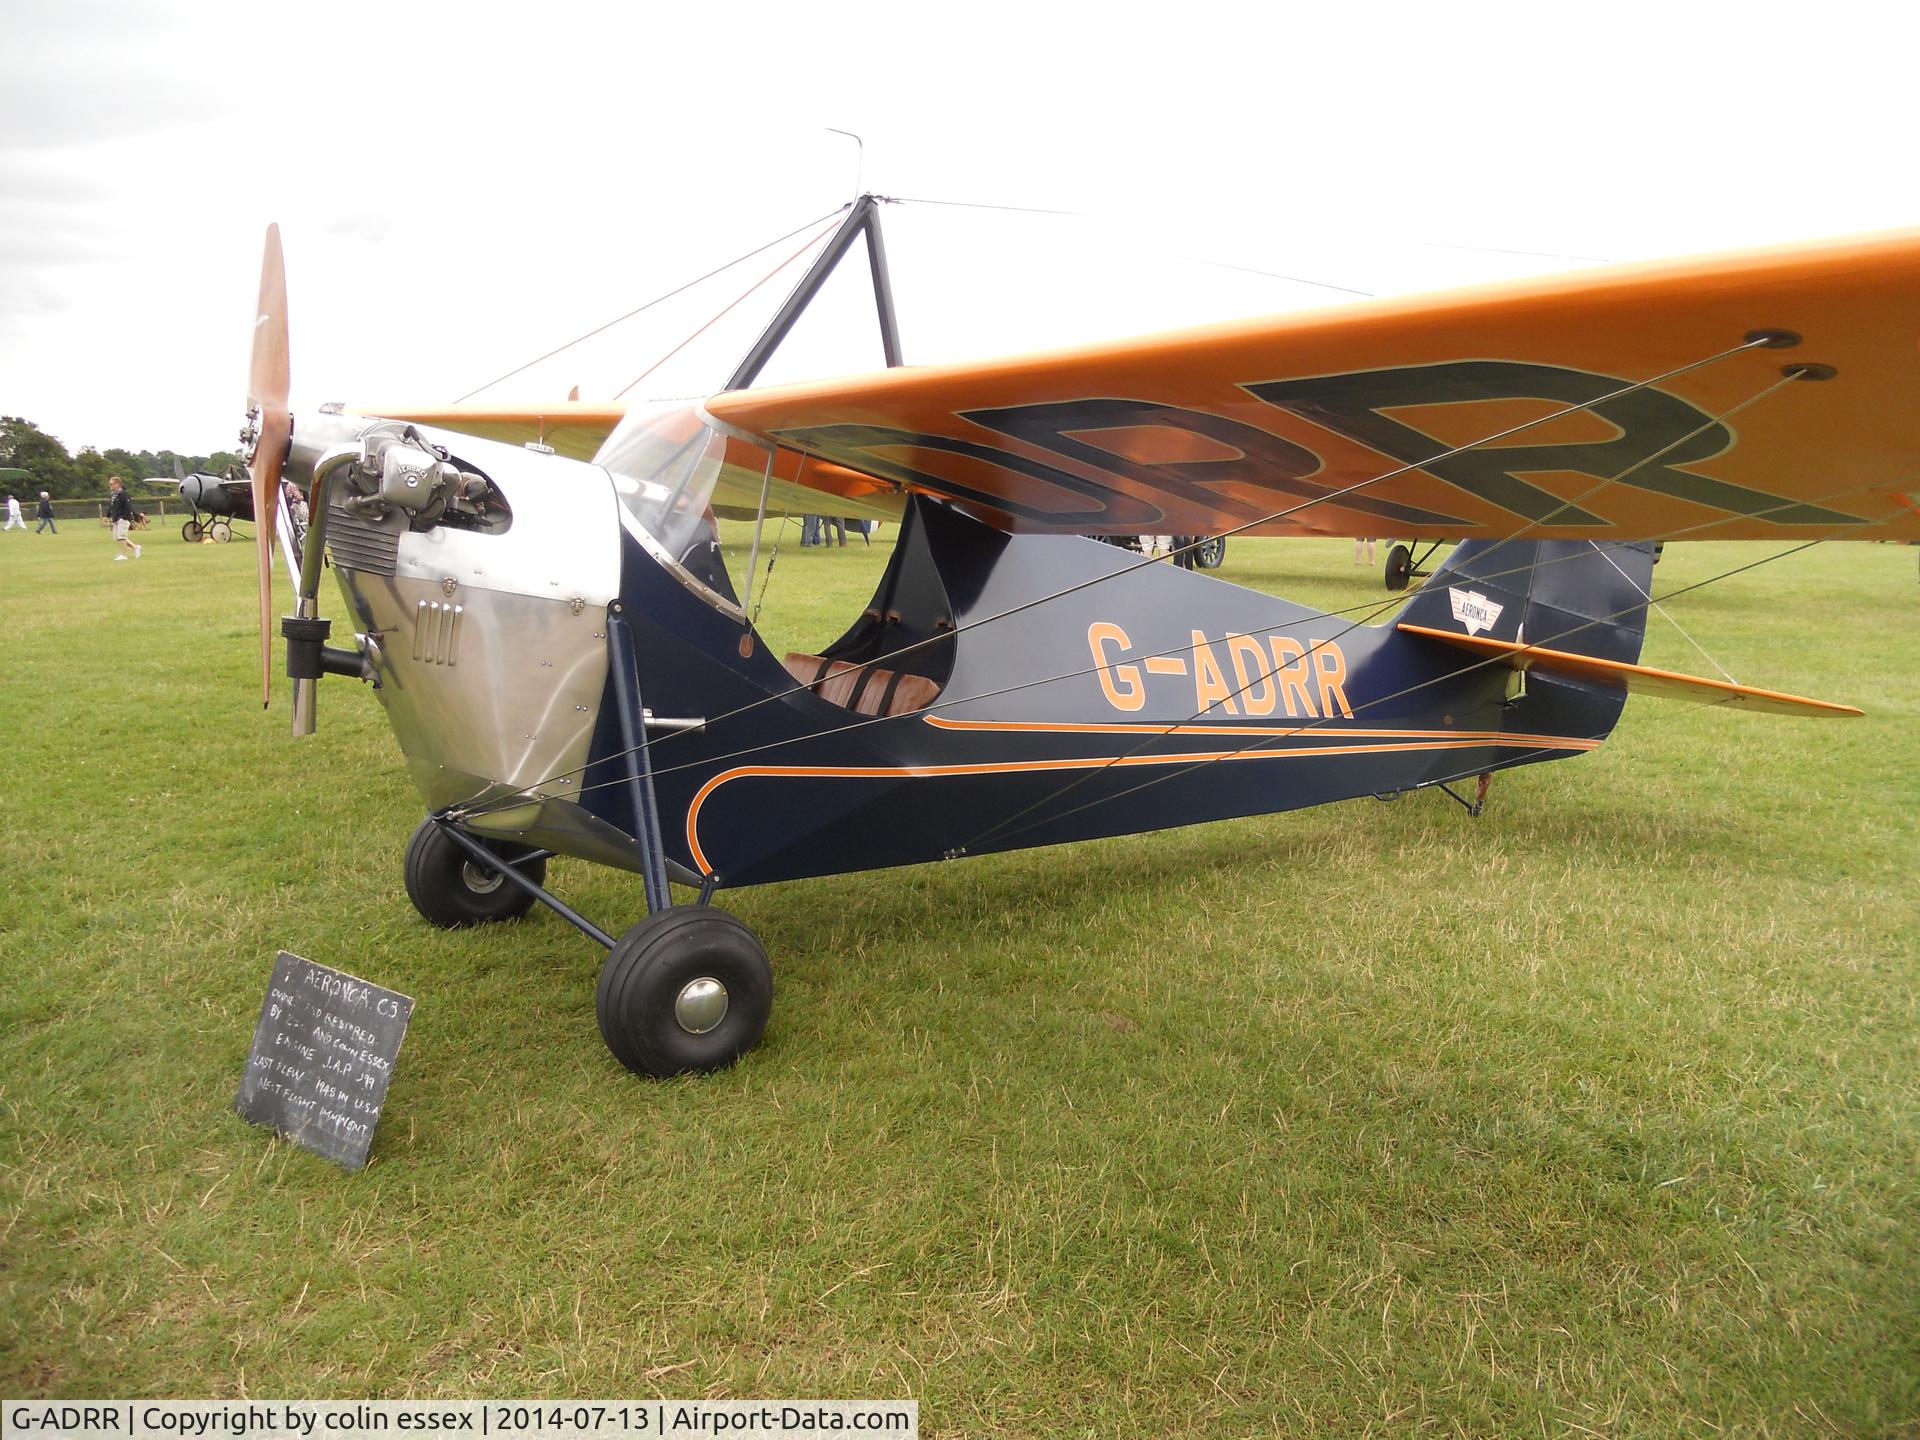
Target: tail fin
[(1582, 597)]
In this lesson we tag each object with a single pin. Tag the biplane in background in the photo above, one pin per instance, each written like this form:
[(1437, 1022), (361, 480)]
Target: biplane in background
[(570, 670)]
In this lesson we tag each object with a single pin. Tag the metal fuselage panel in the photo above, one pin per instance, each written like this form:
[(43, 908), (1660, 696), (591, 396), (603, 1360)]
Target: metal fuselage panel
[(490, 649)]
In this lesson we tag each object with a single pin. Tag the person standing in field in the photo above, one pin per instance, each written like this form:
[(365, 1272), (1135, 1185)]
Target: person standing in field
[(1358, 541), (13, 514), (120, 512), (46, 514)]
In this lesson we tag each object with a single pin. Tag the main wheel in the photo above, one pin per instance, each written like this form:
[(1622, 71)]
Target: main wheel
[(1210, 552), (221, 531), (451, 889), (688, 988), (190, 532), (1399, 568)]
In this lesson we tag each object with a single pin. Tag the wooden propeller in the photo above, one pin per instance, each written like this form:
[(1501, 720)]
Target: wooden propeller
[(267, 387)]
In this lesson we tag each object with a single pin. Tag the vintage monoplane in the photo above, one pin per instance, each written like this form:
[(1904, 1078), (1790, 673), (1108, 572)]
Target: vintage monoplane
[(538, 596)]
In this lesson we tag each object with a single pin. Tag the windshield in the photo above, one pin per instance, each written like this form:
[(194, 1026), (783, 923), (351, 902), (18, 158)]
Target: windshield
[(665, 464)]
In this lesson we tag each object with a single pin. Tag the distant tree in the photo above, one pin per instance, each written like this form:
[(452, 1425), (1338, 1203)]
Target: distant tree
[(95, 467), (44, 458), (84, 476)]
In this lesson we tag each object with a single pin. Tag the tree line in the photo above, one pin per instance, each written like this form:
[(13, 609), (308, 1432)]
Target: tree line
[(25, 446)]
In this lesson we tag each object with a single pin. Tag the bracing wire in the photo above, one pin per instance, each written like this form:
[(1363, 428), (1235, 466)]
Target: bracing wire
[(779, 537), (1666, 616), (713, 320), (657, 300), (1369, 610), (1188, 259), (520, 796), (1265, 741), (1269, 519), (1753, 342), (1529, 528)]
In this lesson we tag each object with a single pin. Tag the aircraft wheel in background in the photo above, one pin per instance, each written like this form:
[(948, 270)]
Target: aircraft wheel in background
[(1399, 568), (190, 532), (221, 531), (451, 889), (687, 989), (1210, 552)]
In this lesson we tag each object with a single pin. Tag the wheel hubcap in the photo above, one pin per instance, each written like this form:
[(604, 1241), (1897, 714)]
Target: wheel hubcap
[(479, 881), (701, 1005)]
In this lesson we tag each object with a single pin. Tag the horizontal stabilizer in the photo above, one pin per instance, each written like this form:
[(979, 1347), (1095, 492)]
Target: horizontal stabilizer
[(1637, 679)]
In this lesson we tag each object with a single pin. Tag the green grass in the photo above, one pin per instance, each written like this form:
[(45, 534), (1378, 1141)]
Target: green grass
[(1600, 1114)]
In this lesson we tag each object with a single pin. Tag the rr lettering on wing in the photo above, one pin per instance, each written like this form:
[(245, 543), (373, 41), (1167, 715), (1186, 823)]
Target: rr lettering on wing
[(1225, 472)]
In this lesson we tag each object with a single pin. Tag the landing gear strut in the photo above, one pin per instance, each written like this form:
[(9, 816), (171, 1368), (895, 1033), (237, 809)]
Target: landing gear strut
[(1403, 568), (687, 989), (452, 887)]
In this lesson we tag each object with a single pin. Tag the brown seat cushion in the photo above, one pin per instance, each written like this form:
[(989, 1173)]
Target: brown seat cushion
[(862, 691)]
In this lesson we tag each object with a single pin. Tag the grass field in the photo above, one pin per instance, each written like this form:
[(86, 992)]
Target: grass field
[(1597, 1115)]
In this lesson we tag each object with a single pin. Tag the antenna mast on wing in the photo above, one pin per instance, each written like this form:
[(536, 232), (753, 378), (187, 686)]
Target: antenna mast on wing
[(860, 163)]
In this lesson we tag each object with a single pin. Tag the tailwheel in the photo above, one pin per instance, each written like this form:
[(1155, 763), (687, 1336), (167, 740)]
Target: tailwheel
[(1399, 568), (452, 889), (687, 989), (190, 532)]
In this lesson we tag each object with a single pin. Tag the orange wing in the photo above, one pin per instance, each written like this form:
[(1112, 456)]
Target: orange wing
[(1206, 431), (575, 428)]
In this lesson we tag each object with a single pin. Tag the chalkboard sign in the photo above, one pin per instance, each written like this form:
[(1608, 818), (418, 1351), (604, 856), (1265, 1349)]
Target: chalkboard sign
[(322, 1056)]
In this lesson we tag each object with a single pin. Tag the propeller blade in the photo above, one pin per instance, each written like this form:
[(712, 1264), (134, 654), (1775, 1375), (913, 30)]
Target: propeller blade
[(267, 387)]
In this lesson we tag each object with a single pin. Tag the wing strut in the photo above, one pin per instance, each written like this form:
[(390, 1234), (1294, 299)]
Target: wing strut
[(864, 217)]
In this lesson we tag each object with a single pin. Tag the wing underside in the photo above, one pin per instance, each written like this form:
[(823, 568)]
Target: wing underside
[(1764, 395)]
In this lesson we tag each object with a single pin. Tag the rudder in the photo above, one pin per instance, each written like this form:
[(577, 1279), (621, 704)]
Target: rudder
[(1586, 597)]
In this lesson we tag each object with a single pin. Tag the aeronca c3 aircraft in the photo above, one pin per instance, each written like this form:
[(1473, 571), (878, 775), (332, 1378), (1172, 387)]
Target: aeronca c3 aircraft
[(569, 669)]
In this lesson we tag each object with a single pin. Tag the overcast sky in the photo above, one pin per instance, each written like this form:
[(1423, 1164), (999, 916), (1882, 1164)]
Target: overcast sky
[(463, 187)]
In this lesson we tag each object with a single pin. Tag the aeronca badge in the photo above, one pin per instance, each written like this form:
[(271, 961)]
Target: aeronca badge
[(1474, 610)]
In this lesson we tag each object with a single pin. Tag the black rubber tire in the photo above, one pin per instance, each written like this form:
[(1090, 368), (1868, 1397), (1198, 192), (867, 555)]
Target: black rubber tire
[(1210, 552), (649, 967), (451, 889), (1399, 573), (190, 532)]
